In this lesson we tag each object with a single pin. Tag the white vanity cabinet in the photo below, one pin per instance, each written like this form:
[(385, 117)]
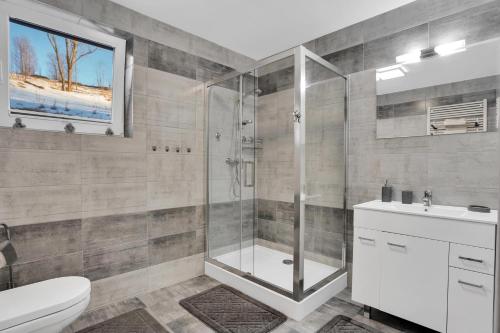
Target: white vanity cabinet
[(414, 279), (434, 267), (366, 272)]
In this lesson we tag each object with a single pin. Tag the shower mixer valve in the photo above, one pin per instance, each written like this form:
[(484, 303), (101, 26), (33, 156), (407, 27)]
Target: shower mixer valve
[(231, 162)]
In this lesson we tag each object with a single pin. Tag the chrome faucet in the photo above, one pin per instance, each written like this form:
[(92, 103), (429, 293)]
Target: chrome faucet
[(427, 199)]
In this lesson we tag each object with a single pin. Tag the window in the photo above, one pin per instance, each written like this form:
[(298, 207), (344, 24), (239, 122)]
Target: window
[(57, 70)]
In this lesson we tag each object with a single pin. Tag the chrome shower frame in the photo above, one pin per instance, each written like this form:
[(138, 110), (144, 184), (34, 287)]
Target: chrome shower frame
[(299, 54)]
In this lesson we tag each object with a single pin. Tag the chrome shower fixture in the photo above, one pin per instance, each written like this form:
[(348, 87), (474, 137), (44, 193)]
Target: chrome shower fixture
[(249, 139), (232, 162)]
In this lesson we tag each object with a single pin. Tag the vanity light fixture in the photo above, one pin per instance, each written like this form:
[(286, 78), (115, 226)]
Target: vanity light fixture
[(450, 48), (391, 72), (410, 57)]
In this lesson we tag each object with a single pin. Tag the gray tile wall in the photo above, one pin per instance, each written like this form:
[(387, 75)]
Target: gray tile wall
[(108, 246), (127, 216)]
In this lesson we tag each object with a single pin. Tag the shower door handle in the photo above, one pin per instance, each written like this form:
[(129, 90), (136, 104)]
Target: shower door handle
[(249, 168)]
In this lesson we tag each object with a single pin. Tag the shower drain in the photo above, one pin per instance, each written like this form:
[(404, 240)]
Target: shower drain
[(287, 261)]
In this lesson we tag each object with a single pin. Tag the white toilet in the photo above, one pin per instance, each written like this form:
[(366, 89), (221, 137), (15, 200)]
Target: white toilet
[(44, 307)]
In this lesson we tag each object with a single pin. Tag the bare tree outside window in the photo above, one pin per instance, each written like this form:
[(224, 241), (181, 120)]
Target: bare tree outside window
[(24, 57), (53, 72), (67, 59)]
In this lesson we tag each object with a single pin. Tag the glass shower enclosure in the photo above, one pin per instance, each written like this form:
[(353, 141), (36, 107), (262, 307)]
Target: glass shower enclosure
[(276, 173)]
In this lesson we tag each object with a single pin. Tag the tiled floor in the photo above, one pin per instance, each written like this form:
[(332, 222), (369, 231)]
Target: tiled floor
[(164, 306)]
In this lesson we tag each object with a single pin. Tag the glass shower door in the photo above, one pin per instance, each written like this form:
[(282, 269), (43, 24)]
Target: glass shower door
[(325, 176), (231, 171), (224, 172)]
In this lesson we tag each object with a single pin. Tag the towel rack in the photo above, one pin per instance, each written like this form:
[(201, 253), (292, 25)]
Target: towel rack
[(468, 117)]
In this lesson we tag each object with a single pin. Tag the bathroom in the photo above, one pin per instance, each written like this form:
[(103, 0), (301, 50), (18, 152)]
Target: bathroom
[(334, 170)]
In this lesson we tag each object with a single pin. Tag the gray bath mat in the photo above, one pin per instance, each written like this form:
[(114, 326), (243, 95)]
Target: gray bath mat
[(343, 324), (226, 310), (137, 321)]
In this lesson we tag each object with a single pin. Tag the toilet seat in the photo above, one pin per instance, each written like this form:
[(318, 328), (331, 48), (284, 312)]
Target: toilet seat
[(43, 299)]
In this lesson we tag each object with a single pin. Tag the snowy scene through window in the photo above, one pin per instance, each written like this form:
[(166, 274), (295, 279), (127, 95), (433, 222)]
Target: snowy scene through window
[(56, 75)]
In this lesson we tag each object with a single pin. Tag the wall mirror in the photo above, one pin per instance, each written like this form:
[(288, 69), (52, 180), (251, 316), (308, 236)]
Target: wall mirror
[(447, 89)]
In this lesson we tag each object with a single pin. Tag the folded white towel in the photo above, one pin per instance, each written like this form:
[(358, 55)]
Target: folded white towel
[(452, 122)]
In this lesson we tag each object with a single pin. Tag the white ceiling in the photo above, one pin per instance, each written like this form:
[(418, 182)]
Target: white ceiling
[(260, 28)]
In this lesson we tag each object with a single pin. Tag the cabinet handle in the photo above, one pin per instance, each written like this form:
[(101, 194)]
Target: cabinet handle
[(471, 259), (366, 239), (396, 245), (480, 286)]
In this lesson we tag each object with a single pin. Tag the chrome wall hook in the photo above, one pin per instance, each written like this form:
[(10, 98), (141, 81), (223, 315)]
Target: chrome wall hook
[(18, 123), (69, 128)]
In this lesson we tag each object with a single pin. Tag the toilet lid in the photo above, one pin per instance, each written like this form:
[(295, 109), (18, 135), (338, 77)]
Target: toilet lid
[(41, 299)]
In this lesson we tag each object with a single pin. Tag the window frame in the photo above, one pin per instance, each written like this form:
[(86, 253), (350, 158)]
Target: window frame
[(66, 24)]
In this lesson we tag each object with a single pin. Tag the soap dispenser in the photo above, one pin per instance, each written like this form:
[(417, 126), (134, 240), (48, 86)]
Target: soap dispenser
[(386, 192)]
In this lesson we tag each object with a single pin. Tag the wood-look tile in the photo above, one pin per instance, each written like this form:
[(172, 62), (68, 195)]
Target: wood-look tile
[(383, 51), (48, 268), (474, 25), (349, 60), (104, 313), (38, 168), (177, 246), (175, 221), (285, 212), (110, 261), (266, 209), (172, 60), (163, 305), (4, 278), (36, 241), (118, 288), (39, 201), (115, 230)]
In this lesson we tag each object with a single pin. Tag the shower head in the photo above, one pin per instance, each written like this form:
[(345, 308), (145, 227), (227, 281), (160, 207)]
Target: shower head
[(258, 91)]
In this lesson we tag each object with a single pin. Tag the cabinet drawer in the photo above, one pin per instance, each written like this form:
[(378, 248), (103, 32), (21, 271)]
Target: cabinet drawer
[(470, 302), (472, 258)]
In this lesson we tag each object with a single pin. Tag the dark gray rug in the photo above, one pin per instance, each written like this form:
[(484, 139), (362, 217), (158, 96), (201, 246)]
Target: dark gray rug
[(226, 310), (343, 324), (137, 321)]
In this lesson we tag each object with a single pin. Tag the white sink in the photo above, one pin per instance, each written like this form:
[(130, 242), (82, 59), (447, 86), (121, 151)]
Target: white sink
[(447, 212)]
